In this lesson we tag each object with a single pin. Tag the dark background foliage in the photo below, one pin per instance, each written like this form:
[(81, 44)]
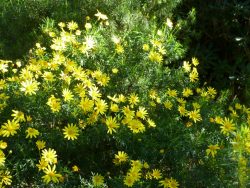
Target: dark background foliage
[(220, 39)]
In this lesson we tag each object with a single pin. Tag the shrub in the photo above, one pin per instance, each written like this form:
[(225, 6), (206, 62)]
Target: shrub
[(114, 108)]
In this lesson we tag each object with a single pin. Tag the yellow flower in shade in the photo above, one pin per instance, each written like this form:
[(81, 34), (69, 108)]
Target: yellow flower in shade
[(129, 181), (3, 144), (212, 150), (18, 115), (5, 178), (115, 70), (195, 61), (31, 132), (67, 94), (172, 93), (168, 104), (40, 144), (42, 164), (195, 115), (51, 175), (2, 158), (142, 113), (187, 92), (75, 168), (238, 106), (111, 124), (145, 47), (121, 157), (136, 126), (212, 92), (97, 180), (194, 76), (119, 49), (100, 106), (156, 174), (29, 87), (49, 155), (182, 110), (54, 104), (10, 128), (114, 107), (133, 99), (227, 126), (155, 57), (169, 183), (71, 132)]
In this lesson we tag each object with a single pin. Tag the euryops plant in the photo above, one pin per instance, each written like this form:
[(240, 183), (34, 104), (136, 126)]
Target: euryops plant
[(101, 107)]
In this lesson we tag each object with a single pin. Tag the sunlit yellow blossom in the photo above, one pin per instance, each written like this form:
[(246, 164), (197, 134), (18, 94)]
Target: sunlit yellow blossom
[(10, 128), (42, 164), (86, 105), (227, 126), (89, 43), (49, 155), (3, 144), (101, 16), (186, 66), (195, 115), (155, 57), (67, 94), (151, 123), (72, 26), (195, 61), (94, 93), (112, 124), (100, 106), (51, 175), (18, 115), (31, 132), (156, 174), (133, 99), (194, 76), (97, 180), (88, 26), (40, 144), (2, 158), (121, 157), (71, 132), (5, 178), (212, 150), (142, 113), (169, 23), (54, 104), (29, 87)]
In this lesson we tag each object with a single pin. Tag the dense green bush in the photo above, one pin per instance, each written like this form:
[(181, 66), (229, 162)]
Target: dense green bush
[(106, 107)]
